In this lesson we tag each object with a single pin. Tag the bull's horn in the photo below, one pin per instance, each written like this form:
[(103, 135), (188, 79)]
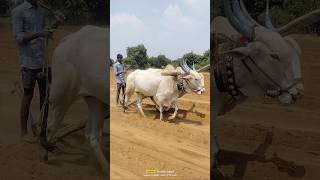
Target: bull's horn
[(268, 21), (247, 15), (301, 22), (204, 68), (193, 67), (184, 66), (239, 13), (232, 11)]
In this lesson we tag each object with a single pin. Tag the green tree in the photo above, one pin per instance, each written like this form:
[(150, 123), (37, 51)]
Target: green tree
[(203, 60), (161, 61), (198, 60), (137, 56), (111, 62), (191, 58), (152, 61), (4, 7), (83, 11), (282, 11)]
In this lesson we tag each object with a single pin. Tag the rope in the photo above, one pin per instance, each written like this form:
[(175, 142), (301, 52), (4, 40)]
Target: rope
[(45, 73)]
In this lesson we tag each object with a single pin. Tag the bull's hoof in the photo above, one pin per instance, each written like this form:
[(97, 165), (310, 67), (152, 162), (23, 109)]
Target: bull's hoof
[(171, 117)]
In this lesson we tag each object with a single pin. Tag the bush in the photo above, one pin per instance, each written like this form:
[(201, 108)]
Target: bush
[(4, 7), (282, 11)]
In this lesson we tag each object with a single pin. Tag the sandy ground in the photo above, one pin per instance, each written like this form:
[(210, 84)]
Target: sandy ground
[(180, 146), (73, 160), (264, 140)]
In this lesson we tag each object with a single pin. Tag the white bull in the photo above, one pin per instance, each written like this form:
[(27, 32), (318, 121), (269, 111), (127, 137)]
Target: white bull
[(163, 86), (253, 60), (79, 70)]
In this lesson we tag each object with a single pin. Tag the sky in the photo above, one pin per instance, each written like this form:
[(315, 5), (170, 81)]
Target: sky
[(169, 27)]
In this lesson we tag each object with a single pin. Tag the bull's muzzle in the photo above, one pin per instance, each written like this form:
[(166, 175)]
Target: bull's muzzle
[(292, 95)]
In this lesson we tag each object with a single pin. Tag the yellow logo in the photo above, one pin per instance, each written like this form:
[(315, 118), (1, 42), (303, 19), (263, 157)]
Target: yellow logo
[(151, 171)]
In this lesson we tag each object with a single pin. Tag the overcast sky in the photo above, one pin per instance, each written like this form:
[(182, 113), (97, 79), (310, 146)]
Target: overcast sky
[(169, 27)]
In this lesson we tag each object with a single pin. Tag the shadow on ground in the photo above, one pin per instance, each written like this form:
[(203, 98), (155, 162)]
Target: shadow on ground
[(240, 160)]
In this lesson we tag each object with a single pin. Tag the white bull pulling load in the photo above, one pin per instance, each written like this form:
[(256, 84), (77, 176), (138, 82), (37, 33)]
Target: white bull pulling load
[(163, 86)]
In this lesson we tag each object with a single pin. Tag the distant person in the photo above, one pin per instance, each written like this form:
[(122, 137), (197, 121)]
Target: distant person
[(120, 72), (28, 26)]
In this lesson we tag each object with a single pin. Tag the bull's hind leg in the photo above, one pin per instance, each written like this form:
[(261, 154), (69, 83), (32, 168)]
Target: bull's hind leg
[(97, 111), (139, 104)]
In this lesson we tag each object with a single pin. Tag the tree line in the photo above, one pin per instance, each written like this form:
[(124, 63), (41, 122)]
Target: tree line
[(76, 11), (137, 58), (282, 11)]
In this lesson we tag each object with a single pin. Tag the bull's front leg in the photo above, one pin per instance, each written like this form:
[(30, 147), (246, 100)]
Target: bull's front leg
[(139, 104), (155, 103), (161, 112), (175, 111)]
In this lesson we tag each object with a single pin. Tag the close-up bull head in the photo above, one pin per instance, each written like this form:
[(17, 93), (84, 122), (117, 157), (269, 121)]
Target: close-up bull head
[(264, 60), (194, 79), (191, 79)]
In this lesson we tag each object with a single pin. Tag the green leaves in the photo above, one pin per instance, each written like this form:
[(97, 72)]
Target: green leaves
[(282, 11), (137, 58), (83, 11)]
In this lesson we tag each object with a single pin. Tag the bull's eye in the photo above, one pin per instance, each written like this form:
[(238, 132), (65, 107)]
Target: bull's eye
[(196, 79)]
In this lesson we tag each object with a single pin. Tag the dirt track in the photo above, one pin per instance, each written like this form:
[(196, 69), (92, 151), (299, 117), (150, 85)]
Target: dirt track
[(181, 145), (74, 160), (286, 140)]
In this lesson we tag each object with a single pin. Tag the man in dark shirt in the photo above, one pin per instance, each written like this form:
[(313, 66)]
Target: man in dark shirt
[(28, 26)]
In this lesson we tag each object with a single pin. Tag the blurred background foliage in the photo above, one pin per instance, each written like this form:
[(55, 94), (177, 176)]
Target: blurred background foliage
[(76, 11), (282, 11)]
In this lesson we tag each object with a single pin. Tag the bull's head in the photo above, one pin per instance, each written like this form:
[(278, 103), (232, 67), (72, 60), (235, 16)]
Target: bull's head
[(189, 79), (193, 80), (269, 61)]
